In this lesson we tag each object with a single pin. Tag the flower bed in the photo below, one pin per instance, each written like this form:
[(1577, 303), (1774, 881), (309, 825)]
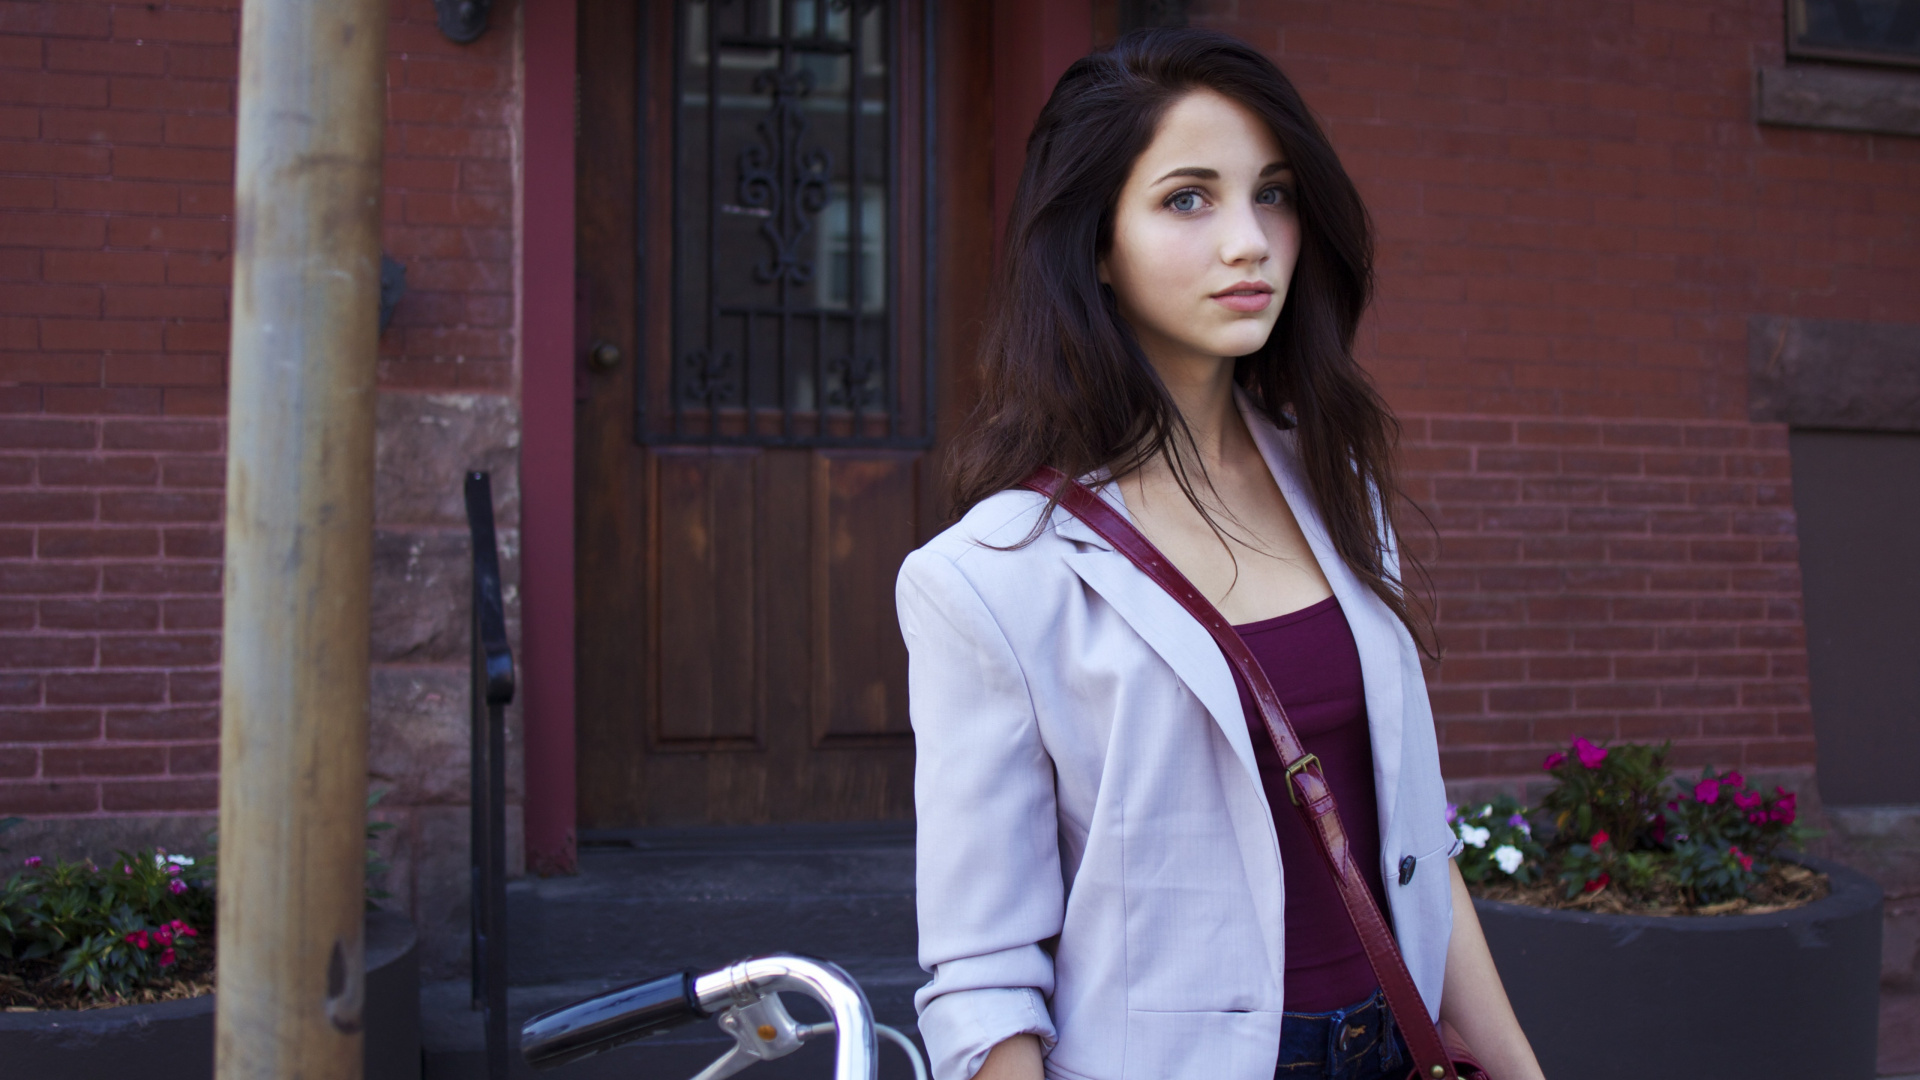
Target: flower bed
[(1619, 834), (77, 935)]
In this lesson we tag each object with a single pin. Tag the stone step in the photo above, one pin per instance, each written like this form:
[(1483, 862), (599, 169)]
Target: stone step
[(652, 901), (648, 902)]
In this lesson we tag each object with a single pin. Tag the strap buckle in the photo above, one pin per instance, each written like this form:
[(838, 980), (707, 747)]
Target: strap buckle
[(1305, 760)]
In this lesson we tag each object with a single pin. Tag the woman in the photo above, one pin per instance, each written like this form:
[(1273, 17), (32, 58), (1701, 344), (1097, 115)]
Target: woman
[(1112, 881)]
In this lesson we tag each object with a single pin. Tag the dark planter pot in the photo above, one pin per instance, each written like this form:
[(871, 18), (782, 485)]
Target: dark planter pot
[(1795, 993), (173, 1040)]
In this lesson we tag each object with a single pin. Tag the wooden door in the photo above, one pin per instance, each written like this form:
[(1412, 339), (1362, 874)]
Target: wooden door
[(763, 451)]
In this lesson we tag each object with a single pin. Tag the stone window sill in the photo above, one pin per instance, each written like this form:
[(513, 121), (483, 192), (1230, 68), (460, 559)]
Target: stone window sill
[(1839, 99)]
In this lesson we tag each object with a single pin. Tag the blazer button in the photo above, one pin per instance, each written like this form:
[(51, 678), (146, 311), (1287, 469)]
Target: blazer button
[(1407, 867)]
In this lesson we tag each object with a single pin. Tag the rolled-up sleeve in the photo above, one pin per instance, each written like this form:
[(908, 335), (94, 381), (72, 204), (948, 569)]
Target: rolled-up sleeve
[(987, 865)]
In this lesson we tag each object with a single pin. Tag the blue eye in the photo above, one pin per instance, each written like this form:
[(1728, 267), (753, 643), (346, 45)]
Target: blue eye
[(1275, 196), (1185, 201)]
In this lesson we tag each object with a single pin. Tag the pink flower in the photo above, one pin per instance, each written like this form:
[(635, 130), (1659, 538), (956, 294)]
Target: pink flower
[(1706, 791), (1599, 839), (1659, 828), (138, 939), (1590, 755), (173, 869), (1757, 818), (1746, 860), (1746, 800), (128, 869), (164, 935), (1783, 811), (32, 861), (176, 886), (1453, 813), (166, 958), (183, 929), (1600, 882), (1553, 761), (1734, 779)]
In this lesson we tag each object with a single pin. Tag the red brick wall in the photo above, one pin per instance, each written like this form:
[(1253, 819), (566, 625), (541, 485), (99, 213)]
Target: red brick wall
[(1577, 214), (116, 162)]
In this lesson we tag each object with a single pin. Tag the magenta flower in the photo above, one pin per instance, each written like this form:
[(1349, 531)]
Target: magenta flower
[(1734, 779), (1453, 813), (1659, 828), (1706, 791), (1757, 818), (181, 928), (1600, 882), (1553, 761), (1746, 800), (128, 869), (32, 861), (1746, 860), (138, 939), (1590, 755), (166, 958), (1784, 811), (1599, 839), (173, 869), (176, 886)]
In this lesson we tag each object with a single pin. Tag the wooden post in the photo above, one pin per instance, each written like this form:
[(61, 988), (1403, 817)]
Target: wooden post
[(293, 746)]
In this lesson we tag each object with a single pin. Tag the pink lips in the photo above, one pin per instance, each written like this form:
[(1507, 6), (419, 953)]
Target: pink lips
[(1246, 296)]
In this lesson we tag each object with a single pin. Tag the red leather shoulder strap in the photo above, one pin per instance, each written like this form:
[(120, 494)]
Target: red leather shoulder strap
[(1306, 783)]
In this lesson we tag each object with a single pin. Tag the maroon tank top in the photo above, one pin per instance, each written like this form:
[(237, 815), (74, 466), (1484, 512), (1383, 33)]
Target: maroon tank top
[(1311, 660)]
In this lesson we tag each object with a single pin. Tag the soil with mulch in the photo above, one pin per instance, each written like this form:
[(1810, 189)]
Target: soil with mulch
[(1782, 887), (34, 985)]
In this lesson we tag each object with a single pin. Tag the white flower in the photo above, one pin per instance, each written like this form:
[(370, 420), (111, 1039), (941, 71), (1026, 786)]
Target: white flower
[(1508, 857), (1474, 835), (162, 859)]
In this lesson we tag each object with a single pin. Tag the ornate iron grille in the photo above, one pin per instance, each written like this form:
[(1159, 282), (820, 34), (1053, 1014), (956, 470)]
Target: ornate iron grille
[(786, 283)]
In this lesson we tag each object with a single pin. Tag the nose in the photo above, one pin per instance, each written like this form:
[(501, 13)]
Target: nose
[(1243, 237)]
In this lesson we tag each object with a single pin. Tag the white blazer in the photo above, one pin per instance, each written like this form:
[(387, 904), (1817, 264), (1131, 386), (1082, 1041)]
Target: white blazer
[(1097, 862)]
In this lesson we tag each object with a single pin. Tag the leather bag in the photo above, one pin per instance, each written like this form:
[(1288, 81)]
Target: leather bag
[(1438, 1052)]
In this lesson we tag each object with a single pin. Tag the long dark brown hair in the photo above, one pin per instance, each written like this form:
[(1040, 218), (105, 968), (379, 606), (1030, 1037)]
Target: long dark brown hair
[(1066, 383)]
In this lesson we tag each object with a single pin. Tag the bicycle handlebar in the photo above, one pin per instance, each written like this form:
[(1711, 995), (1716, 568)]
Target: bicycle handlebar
[(634, 1012)]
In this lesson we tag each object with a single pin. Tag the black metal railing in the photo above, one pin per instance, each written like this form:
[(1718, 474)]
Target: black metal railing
[(492, 689)]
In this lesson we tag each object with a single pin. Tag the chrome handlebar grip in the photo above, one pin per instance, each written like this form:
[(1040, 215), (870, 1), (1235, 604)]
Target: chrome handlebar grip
[(612, 1019), (856, 1055)]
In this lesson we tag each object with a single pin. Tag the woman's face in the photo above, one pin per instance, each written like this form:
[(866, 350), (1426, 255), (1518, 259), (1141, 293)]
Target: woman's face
[(1204, 234)]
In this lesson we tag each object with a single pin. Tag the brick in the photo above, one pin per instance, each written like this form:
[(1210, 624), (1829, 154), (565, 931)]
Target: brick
[(181, 95), (106, 57), (123, 401), (49, 725), (22, 579), (19, 689), (48, 798), (41, 651), (16, 614), (169, 234), (99, 614), (65, 762), (193, 472), (98, 470), (163, 724), (193, 760), (163, 651), (24, 506), (106, 688), (166, 301), (160, 795), (191, 543), (186, 687), (106, 267), (205, 131), (54, 19), (160, 506), (137, 22), (172, 163), (168, 435), (97, 543), (48, 367), (49, 88), (94, 335), (18, 762), (102, 127), (54, 159), (192, 613), (150, 579)]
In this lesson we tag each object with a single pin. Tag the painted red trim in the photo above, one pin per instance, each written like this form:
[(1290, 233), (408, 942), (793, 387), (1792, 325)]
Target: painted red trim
[(1034, 42), (546, 450)]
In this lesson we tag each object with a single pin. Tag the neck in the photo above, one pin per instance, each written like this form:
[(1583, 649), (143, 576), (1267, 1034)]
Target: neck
[(1202, 390)]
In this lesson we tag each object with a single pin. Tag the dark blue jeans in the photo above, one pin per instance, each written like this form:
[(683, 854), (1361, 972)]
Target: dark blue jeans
[(1359, 1042)]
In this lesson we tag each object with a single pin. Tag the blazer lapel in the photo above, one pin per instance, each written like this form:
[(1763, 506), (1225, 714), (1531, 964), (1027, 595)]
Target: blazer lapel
[(1376, 632), (1163, 624)]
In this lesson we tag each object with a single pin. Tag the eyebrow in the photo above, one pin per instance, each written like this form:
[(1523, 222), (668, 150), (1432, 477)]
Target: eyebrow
[(1199, 173)]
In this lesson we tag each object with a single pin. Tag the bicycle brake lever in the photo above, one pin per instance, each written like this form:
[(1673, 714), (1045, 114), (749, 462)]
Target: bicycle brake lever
[(762, 1030)]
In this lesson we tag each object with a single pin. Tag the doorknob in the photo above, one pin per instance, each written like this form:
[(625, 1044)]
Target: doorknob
[(604, 355)]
